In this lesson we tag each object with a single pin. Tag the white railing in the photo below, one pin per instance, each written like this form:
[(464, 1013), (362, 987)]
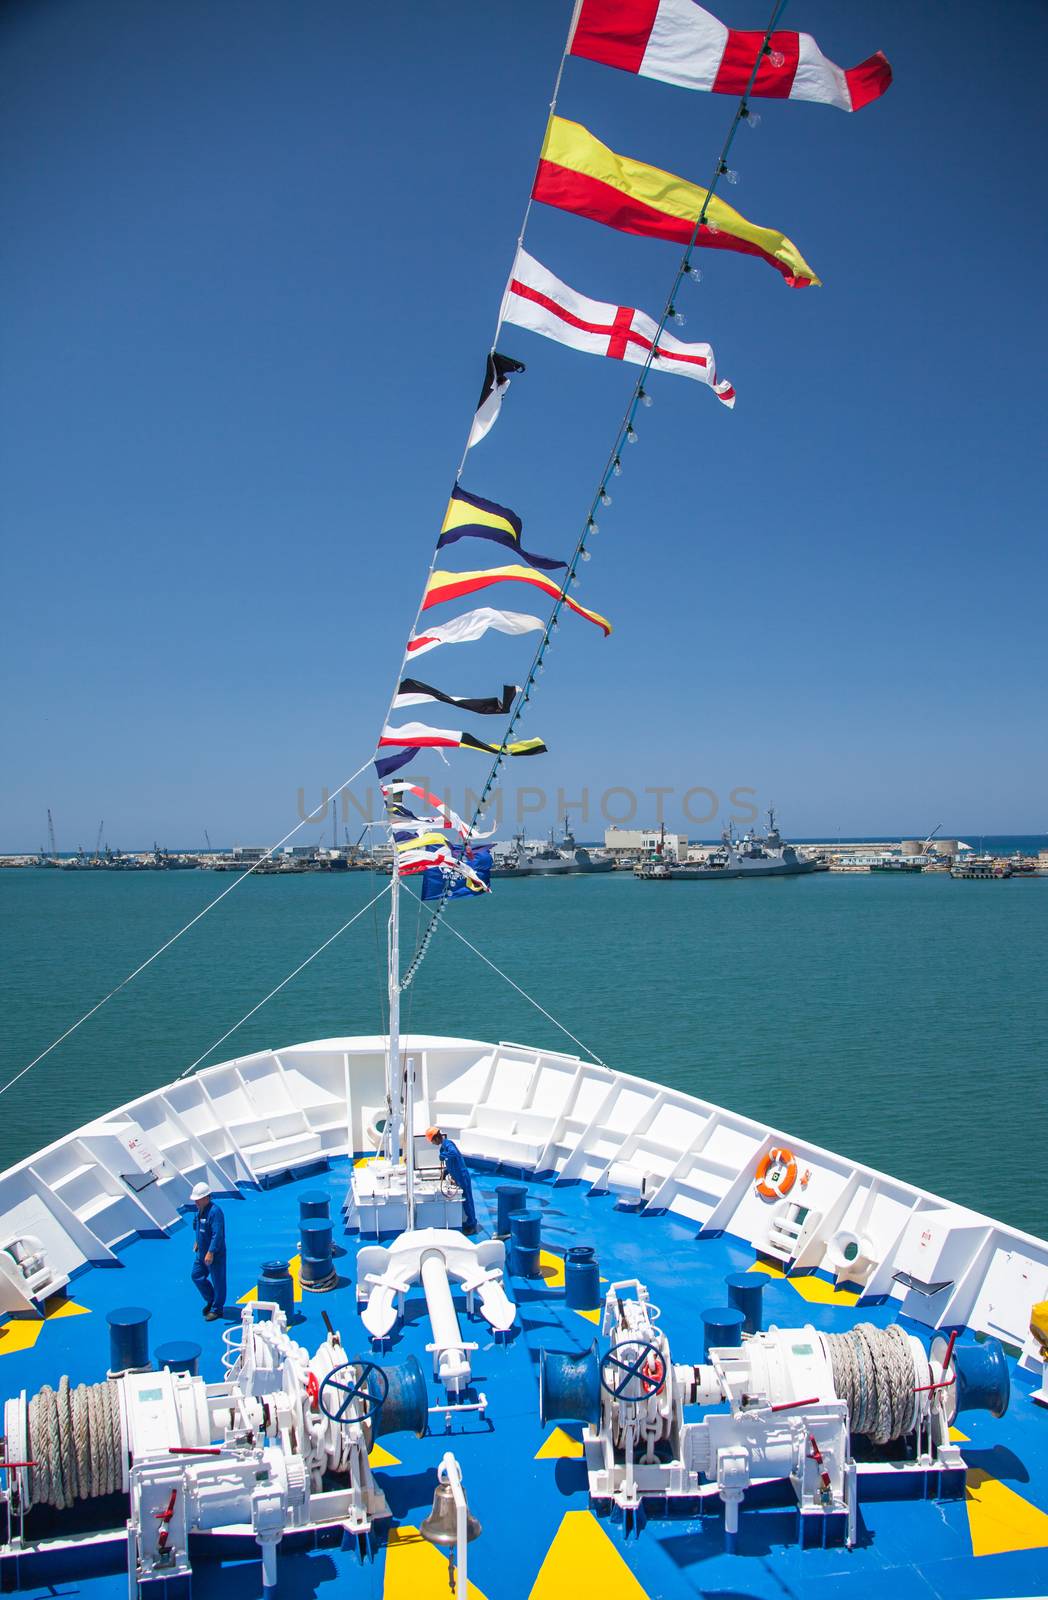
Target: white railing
[(243, 1120)]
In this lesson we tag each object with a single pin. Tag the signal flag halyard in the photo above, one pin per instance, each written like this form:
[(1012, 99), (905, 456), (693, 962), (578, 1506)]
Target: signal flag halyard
[(677, 41), (537, 300), (577, 173)]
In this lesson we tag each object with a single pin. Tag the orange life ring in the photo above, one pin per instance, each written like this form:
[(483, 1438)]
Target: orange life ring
[(776, 1174)]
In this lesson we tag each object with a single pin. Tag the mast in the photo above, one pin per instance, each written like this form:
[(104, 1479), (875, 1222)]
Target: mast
[(400, 1087)]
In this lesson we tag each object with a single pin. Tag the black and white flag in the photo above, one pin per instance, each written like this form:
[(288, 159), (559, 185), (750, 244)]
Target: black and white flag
[(496, 381)]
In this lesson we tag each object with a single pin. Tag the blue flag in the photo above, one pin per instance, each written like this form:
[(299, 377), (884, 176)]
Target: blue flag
[(434, 878)]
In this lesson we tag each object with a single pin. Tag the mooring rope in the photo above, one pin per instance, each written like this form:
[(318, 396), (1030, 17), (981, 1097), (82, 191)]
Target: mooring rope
[(873, 1371)]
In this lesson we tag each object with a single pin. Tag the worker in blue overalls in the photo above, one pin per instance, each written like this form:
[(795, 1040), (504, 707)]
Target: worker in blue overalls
[(209, 1267), (455, 1166)]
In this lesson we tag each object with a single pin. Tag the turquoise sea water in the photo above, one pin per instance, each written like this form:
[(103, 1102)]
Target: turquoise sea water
[(901, 1021)]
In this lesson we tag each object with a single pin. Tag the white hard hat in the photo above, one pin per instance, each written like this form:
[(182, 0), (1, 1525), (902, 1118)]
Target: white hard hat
[(201, 1191)]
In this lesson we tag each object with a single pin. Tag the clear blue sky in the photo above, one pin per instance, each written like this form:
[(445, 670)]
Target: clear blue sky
[(252, 257)]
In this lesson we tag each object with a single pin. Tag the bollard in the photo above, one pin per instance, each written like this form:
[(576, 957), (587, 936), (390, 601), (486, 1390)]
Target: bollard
[(315, 1206), (178, 1355), (745, 1292), (581, 1278), (318, 1267), (509, 1197), (275, 1284), (525, 1229), (721, 1327), (128, 1339)]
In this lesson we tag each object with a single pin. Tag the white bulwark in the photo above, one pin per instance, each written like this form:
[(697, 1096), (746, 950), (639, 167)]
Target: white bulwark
[(640, 843)]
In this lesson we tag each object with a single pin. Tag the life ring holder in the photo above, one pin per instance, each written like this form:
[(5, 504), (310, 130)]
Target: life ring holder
[(776, 1174)]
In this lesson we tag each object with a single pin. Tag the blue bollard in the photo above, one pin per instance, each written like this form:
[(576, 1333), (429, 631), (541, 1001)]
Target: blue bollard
[(525, 1228), (581, 1278), (721, 1327), (745, 1293), (128, 1339), (509, 1197), (178, 1355), (315, 1206), (318, 1267), (275, 1284)]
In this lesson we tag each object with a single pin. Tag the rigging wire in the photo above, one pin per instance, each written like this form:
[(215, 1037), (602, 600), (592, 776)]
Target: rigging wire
[(175, 937), (530, 998), (285, 981), (613, 465)]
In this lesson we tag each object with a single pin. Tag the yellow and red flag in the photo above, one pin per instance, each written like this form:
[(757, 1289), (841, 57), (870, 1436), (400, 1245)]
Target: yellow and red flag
[(578, 173), (452, 585)]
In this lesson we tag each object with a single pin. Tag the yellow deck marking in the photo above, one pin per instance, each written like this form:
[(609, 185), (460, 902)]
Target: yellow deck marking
[(957, 1437), (590, 1316), (417, 1570), (560, 1446), (552, 1269), (1000, 1520), (294, 1267), (364, 1161), (22, 1330), (583, 1561), (815, 1290), (378, 1457)]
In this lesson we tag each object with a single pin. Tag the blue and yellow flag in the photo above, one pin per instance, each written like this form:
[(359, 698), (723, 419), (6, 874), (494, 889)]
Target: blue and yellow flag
[(470, 517)]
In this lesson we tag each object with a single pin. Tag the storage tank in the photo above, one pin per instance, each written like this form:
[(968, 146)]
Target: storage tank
[(946, 847), (912, 847)]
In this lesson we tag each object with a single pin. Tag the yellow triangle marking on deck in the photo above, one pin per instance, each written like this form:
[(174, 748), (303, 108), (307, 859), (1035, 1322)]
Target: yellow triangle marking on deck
[(294, 1267), (583, 1561), (66, 1308), (957, 1437), (560, 1446), (23, 1329), (815, 1290), (590, 1316), (20, 1333), (417, 1570), (1000, 1520), (378, 1457), (552, 1269), (363, 1161)]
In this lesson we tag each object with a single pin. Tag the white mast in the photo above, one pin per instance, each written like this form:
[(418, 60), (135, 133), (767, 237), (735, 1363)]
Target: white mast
[(400, 1087)]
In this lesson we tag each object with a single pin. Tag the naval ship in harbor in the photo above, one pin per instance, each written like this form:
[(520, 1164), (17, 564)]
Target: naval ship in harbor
[(753, 855)]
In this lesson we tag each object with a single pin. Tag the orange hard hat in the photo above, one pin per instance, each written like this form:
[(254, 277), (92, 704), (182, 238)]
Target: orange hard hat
[(432, 1134)]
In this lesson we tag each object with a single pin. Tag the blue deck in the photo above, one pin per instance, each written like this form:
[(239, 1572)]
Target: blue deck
[(521, 1491)]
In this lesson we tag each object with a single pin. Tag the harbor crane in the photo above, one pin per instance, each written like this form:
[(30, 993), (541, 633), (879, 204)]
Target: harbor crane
[(52, 848), (98, 841)]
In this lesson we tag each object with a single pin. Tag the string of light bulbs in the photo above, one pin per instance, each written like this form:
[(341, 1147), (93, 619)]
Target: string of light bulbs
[(626, 434)]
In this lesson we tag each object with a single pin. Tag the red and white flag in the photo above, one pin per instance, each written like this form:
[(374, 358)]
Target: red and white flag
[(679, 42), (537, 300)]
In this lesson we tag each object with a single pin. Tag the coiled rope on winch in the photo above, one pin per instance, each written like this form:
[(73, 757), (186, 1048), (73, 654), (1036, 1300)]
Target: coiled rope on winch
[(75, 1442), (873, 1372)]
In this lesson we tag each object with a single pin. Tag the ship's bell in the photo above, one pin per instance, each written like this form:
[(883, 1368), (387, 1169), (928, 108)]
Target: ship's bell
[(441, 1526)]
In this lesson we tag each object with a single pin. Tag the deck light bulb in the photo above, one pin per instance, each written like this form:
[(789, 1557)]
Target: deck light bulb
[(605, 497), (585, 554), (694, 272), (751, 116), (616, 467), (711, 227), (728, 172), (592, 527), (631, 434), (776, 57), (677, 316), (645, 398)]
